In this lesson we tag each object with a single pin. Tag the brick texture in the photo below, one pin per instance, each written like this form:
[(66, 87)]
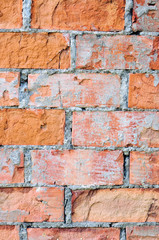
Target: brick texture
[(146, 15), (117, 52), (11, 14), (78, 15), (144, 91), (9, 232), (71, 90), (77, 167), (31, 204), (31, 127), (75, 233), (144, 168), (34, 50), (11, 166), (119, 129), (9, 88), (143, 233), (116, 205)]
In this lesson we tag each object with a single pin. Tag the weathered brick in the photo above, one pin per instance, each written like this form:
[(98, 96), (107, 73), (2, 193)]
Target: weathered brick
[(9, 88), (78, 15), (74, 233), (11, 14), (34, 50), (31, 127), (11, 166), (74, 90), (144, 91), (144, 168), (146, 15), (142, 233), (116, 205), (117, 52), (104, 129), (77, 167), (31, 204), (9, 232)]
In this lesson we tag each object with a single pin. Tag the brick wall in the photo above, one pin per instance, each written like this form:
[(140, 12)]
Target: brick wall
[(79, 119)]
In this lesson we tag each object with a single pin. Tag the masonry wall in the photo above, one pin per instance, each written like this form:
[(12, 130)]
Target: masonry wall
[(79, 119)]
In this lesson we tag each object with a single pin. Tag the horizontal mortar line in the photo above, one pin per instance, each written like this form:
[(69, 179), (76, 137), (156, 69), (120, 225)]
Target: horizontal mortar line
[(77, 71), (63, 147), (80, 224), (79, 187), (79, 32), (82, 109)]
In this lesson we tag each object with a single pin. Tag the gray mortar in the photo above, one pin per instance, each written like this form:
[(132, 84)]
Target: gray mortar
[(126, 170), (26, 14), (68, 130), (23, 90), (27, 166), (73, 51), (123, 234), (124, 90), (68, 207), (128, 16), (22, 232)]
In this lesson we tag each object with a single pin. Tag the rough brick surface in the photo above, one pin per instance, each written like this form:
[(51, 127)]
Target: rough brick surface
[(116, 205), (34, 50), (143, 233), (74, 90), (11, 166), (144, 168), (9, 232), (77, 167), (9, 88), (117, 52), (78, 15), (31, 127), (31, 204), (11, 14), (144, 91), (146, 15), (74, 233), (118, 129)]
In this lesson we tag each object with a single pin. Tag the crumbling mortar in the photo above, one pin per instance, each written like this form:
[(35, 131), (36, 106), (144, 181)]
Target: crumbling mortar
[(68, 206), (23, 90), (128, 16), (73, 51), (124, 90), (27, 166), (26, 13), (23, 232), (126, 169), (123, 234), (68, 130)]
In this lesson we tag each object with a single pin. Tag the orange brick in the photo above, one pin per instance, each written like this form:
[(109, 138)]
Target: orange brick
[(144, 168), (9, 88), (74, 233), (146, 15), (31, 204), (11, 166), (9, 232), (142, 232), (116, 205), (78, 15), (117, 52), (11, 14), (77, 167), (74, 90), (34, 50), (144, 91), (31, 127), (120, 129)]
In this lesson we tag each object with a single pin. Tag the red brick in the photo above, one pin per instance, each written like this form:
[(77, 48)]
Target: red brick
[(144, 168), (77, 167), (11, 14), (142, 233), (9, 88), (116, 205), (104, 15), (31, 127), (74, 90), (9, 232), (31, 204), (11, 166), (144, 91), (105, 129), (146, 15), (74, 233), (34, 50), (117, 52)]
